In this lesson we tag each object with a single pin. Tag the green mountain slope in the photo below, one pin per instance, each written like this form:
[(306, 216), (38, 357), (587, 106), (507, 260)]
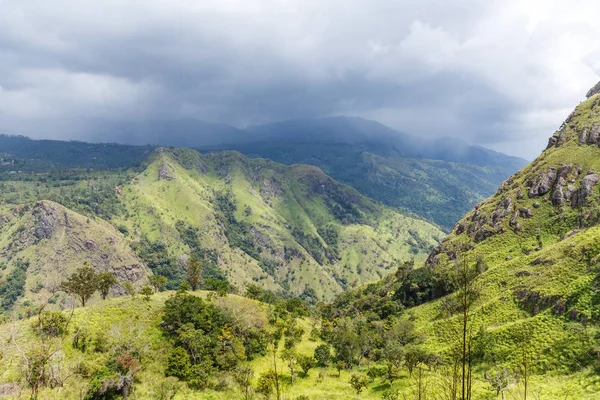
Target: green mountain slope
[(535, 246), (290, 228), (441, 191), (285, 228), (43, 243)]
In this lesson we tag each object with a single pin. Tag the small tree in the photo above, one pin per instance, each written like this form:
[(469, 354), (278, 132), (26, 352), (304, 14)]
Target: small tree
[(147, 292), (158, 282), (306, 363), (81, 284), (194, 273), (129, 289), (322, 355), (243, 377), (105, 281), (359, 382)]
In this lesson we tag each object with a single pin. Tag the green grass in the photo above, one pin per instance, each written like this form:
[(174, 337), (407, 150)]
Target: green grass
[(135, 320)]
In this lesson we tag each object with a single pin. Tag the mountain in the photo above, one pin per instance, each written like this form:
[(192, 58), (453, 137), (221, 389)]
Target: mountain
[(21, 153), (287, 228), (177, 133), (41, 245), (382, 140), (532, 250), (437, 179)]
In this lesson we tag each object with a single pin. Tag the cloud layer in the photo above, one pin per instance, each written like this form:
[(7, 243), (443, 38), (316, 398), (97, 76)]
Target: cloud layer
[(502, 74)]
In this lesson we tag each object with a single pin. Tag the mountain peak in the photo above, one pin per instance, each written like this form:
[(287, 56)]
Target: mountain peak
[(595, 89), (582, 125)]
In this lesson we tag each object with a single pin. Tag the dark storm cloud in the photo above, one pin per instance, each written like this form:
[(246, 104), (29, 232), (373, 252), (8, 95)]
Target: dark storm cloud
[(499, 73)]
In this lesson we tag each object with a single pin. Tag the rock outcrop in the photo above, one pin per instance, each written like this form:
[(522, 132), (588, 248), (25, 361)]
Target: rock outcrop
[(165, 173), (594, 90), (543, 184), (587, 184)]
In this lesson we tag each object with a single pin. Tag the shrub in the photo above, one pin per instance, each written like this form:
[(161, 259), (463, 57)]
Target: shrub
[(322, 355), (359, 382)]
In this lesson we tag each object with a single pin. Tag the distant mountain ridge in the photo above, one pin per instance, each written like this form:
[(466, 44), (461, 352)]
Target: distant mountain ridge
[(438, 179)]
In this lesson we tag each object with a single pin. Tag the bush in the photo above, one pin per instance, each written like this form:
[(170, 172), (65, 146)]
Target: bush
[(322, 355), (52, 323), (359, 382)]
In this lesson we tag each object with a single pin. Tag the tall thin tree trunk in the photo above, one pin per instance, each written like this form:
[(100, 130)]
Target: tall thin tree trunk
[(276, 374)]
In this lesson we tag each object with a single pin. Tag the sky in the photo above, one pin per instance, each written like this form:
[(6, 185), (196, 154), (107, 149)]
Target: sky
[(500, 74)]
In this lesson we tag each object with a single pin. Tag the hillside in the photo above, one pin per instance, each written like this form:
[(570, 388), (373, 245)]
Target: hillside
[(290, 229), (439, 180), (43, 243), (531, 253), (438, 190)]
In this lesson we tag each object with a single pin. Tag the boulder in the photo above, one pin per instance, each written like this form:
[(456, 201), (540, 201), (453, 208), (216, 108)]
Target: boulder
[(525, 212), (583, 136), (544, 184), (587, 184)]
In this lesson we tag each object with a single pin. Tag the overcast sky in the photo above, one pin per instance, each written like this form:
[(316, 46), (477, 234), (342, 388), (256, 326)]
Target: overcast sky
[(502, 74)]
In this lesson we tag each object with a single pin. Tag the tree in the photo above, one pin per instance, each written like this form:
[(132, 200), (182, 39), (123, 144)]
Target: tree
[(105, 281), (194, 273), (291, 357), (359, 382), (500, 381), (243, 377), (464, 279), (306, 363), (322, 355), (128, 287), (158, 282), (81, 284), (147, 292)]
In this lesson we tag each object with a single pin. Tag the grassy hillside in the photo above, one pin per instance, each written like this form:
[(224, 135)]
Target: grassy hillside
[(43, 243), (532, 252), (124, 336), (441, 191), (290, 228)]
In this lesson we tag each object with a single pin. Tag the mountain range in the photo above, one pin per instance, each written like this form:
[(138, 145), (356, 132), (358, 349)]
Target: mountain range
[(438, 180)]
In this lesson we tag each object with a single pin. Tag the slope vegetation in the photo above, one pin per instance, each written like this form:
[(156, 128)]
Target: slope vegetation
[(43, 243), (290, 228)]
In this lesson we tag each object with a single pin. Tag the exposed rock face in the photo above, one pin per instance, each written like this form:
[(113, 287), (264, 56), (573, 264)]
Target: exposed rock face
[(595, 89), (47, 220), (525, 212), (544, 184), (502, 210), (558, 195), (555, 140), (165, 173), (587, 184), (594, 134)]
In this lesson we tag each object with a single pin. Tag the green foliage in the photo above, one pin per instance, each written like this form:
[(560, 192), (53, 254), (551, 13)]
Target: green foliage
[(129, 288), (158, 282), (81, 284), (147, 292), (238, 232), (322, 355), (51, 323), (207, 339), (13, 287), (156, 256), (104, 282), (359, 382), (194, 273), (306, 363)]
